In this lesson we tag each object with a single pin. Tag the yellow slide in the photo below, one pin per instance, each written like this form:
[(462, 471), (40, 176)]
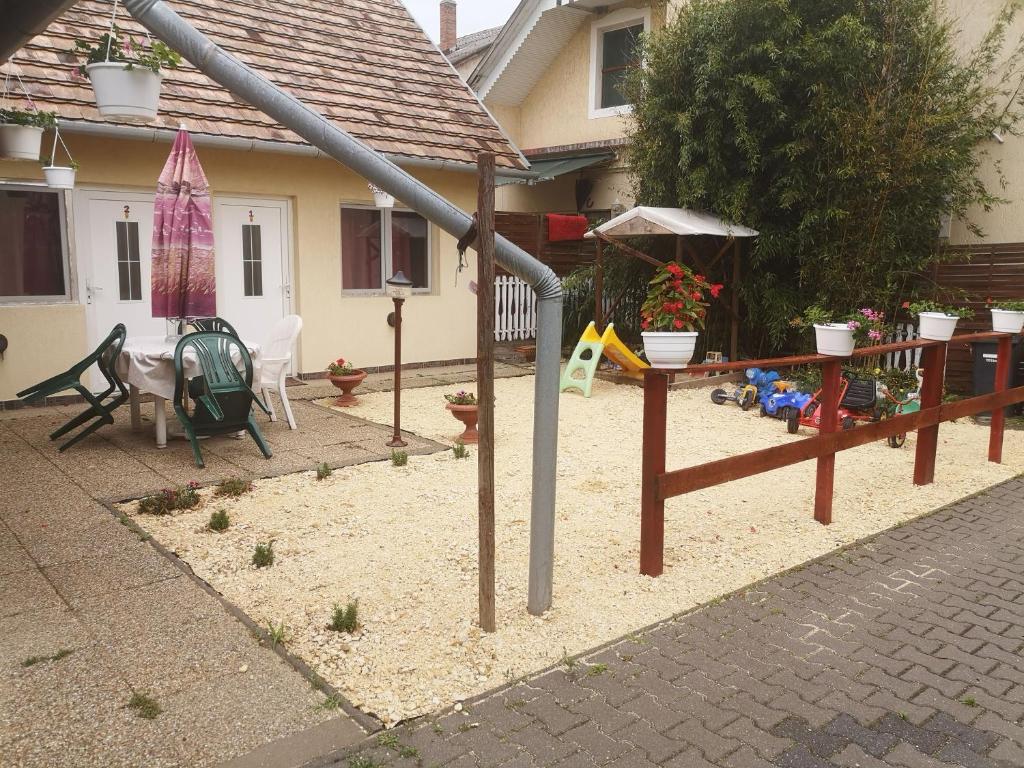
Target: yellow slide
[(621, 355)]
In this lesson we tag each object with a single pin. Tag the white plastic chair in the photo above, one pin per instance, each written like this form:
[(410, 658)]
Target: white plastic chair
[(275, 360)]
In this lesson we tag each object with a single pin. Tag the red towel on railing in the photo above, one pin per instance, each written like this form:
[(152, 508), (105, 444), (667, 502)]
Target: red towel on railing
[(563, 227)]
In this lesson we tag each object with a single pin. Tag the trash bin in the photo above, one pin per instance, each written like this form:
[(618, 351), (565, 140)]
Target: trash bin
[(985, 353)]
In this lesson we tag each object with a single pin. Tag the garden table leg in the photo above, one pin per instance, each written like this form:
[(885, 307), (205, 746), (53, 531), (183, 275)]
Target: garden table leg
[(160, 418), (133, 407)]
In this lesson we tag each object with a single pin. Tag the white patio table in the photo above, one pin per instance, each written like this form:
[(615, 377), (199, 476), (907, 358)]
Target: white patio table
[(147, 365)]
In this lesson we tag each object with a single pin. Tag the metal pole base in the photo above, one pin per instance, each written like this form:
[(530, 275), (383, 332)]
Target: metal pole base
[(396, 443)]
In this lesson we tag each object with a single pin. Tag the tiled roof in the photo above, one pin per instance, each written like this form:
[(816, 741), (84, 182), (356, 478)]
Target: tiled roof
[(365, 64), (471, 44)]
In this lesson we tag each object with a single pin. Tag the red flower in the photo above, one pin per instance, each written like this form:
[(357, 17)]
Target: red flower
[(695, 295), (668, 306), (678, 324), (716, 289), (674, 269), (677, 285), (699, 278), (906, 305), (645, 324)]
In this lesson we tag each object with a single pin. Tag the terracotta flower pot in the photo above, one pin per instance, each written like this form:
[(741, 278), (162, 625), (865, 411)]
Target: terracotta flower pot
[(346, 384), (467, 414)]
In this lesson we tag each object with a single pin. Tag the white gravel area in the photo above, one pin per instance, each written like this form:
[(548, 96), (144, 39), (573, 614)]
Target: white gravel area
[(402, 540)]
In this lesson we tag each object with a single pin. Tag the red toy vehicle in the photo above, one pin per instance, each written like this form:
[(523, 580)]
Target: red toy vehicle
[(858, 401)]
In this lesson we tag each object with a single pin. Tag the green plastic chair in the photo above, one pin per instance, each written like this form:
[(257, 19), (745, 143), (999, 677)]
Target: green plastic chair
[(224, 398), (213, 324), (99, 412)]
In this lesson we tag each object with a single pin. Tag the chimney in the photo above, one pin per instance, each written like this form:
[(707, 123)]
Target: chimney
[(449, 30)]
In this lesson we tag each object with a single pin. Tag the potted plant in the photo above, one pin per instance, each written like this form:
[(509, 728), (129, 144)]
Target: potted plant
[(463, 406), (21, 132), (60, 176), (673, 311), (937, 322), (1007, 316), (837, 334), (126, 73), (346, 378)]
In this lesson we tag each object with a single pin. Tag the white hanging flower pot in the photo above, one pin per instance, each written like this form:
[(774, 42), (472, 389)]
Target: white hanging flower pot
[(835, 339), (382, 199), (937, 326), (125, 91), (669, 349), (59, 177), (20, 142), (1007, 321)]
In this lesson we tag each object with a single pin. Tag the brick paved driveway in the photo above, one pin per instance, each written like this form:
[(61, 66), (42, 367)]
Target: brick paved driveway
[(904, 651)]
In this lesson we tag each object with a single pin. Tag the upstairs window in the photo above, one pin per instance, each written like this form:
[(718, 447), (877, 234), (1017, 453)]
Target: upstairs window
[(33, 250), (620, 54)]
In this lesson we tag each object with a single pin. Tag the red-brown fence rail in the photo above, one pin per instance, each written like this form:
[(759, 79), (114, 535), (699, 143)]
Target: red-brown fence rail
[(657, 484)]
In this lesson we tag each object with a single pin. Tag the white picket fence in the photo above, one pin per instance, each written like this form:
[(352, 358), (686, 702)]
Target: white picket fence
[(515, 309), (910, 358)]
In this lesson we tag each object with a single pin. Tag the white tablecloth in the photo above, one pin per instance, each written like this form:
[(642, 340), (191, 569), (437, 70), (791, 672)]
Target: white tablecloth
[(147, 363)]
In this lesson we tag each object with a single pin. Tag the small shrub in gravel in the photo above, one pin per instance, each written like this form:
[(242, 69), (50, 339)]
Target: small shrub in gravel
[(144, 706), (323, 471), (345, 618), (263, 555), (170, 499), (460, 450), (399, 458), (219, 521), (233, 487)]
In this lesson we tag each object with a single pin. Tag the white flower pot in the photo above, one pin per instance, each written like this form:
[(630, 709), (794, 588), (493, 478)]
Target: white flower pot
[(936, 326), (1007, 321), (126, 93), (20, 142), (58, 177), (382, 199), (835, 339), (669, 349)]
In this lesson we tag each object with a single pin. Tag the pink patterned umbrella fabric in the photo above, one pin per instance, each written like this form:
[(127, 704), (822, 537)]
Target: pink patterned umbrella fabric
[(184, 273)]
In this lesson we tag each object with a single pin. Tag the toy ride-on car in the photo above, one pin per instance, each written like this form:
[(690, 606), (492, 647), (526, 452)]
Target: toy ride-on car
[(783, 401), (858, 401), (746, 395)]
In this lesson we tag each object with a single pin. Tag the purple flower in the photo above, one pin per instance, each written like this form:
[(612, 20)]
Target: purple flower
[(853, 325), (876, 335)]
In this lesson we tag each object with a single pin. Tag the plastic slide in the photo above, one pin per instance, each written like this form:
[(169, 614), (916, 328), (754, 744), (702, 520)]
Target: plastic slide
[(587, 355), (620, 354)]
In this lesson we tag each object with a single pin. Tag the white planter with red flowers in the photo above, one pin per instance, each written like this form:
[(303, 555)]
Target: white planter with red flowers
[(835, 339), (675, 308)]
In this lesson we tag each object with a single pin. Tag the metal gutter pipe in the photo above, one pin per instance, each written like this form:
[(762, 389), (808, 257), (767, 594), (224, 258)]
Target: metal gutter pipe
[(239, 144), (258, 91)]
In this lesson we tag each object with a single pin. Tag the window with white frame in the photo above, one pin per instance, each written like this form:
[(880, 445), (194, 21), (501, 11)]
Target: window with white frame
[(33, 247), (615, 53), (377, 242)]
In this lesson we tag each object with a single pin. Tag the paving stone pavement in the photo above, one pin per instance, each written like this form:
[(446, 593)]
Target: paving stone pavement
[(903, 651)]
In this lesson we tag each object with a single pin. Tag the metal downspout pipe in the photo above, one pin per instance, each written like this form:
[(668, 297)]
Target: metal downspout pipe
[(258, 91)]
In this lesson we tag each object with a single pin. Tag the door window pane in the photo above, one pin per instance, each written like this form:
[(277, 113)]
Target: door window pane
[(31, 244), (361, 253), (129, 268), (409, 251), (619, 54), (252, 259)]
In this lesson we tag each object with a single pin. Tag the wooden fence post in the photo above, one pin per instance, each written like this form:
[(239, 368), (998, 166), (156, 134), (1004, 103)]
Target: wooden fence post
[(995, 435), (485, 387), (652, 508), (933, 360), (831, 380)]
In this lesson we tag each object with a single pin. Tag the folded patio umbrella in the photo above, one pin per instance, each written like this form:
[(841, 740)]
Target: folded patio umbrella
[(184, 276)]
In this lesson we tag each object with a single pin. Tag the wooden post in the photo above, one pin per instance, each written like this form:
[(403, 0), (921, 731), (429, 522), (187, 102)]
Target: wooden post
[(652, 509), (933, 360), (831, 380), (485, 386), (734, 331), (599, 286), (995, 435)]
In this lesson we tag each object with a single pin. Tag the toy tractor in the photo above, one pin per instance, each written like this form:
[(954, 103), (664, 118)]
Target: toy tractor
[(746, 395)]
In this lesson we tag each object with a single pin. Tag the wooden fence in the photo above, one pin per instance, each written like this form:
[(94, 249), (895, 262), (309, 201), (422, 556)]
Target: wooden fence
[(530, 232)]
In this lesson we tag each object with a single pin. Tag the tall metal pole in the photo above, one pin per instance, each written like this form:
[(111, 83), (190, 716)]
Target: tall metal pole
[(396, 439), (485, 386)]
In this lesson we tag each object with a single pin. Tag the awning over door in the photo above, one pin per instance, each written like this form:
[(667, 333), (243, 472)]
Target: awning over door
[(547, 170)]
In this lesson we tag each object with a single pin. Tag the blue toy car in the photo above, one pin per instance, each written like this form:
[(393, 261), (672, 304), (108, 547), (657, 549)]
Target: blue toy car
[(781, 404)]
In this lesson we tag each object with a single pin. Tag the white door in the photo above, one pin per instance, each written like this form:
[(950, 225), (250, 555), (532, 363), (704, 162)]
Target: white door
[(114, 235), (253, 286)]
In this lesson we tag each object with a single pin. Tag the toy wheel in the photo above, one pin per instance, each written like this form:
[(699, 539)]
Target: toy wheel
[(810, 410), (719, 396), (762, 411), (897, 441), (848, 423), (793, 421), (747, 399), (877, 415)]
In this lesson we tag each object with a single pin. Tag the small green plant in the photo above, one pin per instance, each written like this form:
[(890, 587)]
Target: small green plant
[(345, 618), (150, 54), (277, 633), (144, 706), (359, 761), (437, 728), (460, 450), (263, 555), (219, 521), (340, 367), (901, 715), (1006, 305), (63, 653), (408, 752), (323, 471), (47, 162), (969, 701), (399, 458), (29, 118), (170, 500), (330, 703), (567, 662), (31, 661), (596, 669), (917, 307), (462, 397), (233, 487), (388, 740)]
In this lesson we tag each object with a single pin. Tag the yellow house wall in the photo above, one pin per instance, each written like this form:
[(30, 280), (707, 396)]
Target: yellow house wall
[(439, 326)]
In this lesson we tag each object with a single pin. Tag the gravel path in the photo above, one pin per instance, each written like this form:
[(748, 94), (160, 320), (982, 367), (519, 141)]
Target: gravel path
[(402, 540)]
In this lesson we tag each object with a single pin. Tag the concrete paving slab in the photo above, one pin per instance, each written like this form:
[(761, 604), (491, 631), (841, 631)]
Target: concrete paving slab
[(40, 633), (23, 591), (13, 556), (54, 544), (82, 579)]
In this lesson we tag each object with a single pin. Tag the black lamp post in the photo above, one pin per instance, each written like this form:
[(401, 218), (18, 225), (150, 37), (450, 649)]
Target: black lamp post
[(399, 289)]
